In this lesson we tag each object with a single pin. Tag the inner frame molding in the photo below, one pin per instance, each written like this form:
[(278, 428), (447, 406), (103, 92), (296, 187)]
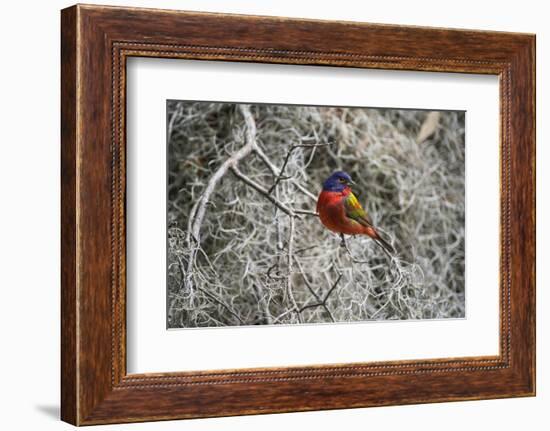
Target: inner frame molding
[(353, 362), (96, 42)]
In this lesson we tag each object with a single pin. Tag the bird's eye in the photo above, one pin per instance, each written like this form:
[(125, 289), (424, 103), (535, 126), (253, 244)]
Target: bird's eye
[(342, 180)]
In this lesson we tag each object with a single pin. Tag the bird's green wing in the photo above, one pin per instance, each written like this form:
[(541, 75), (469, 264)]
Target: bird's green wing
[(355, 211)]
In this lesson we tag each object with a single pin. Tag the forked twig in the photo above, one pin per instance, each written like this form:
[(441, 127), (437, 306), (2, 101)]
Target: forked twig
[(280, 177), (323, 303)]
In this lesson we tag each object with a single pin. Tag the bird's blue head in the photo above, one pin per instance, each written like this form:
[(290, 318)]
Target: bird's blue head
[(337, 182)]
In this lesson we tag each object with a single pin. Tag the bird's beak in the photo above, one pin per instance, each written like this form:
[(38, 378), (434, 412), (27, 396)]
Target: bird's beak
[(353, 183)]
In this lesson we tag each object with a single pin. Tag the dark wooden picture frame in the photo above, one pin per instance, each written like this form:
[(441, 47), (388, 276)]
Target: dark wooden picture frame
[(96, 41)]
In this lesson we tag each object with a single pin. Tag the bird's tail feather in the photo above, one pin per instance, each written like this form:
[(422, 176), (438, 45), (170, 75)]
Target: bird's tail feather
[(384, 244)]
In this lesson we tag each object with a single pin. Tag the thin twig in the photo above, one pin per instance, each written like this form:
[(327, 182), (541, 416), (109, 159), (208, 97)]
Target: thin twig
[(289, 270), (271, 268), (344, 244), (287, 210), (172, 121), (320, 302), (301, 250), (323, 303), (210, 295), (305, 212), (220, 302), (264, 304), (305, 191), (281, 175)]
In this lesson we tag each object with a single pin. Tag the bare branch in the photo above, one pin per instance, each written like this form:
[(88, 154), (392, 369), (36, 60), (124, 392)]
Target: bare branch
[(287, 210), (308, 213), (231, 162), (283, 207), (199, 208)]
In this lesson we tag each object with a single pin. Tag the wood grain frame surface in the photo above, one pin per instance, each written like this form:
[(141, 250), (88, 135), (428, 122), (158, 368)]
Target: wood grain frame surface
[(96, 41)]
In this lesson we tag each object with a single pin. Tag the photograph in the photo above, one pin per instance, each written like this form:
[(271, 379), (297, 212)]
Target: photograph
[(289, 214)]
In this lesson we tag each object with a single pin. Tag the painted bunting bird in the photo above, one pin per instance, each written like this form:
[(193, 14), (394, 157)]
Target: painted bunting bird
[(341, 212)]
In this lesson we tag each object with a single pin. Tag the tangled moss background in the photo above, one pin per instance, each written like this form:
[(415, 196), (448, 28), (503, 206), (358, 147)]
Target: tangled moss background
[(245, 261)]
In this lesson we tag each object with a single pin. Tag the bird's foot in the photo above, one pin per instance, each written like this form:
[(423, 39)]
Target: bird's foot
[(343, 241)]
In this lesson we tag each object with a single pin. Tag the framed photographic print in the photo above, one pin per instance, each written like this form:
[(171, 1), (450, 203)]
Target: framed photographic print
[(265, 215)]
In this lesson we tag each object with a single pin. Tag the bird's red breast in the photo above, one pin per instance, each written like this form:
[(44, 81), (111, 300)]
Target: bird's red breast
[(332, 212)]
